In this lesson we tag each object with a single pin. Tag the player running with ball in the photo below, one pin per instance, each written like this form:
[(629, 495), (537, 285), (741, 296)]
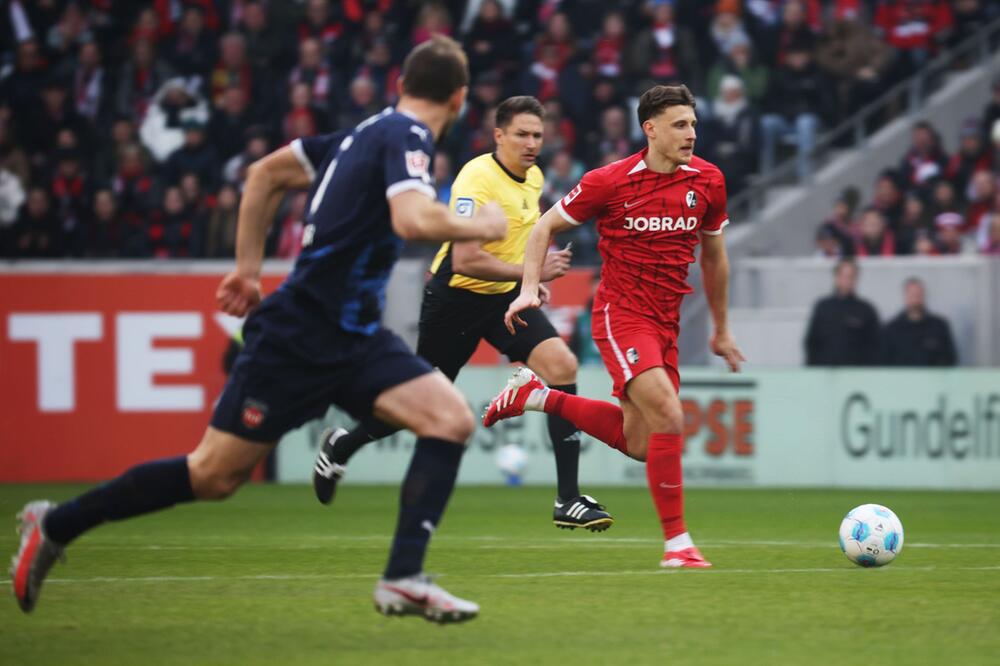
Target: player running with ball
[(652, 208)]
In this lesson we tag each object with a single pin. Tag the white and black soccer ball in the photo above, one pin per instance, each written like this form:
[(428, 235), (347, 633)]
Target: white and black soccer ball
[(871, 535)]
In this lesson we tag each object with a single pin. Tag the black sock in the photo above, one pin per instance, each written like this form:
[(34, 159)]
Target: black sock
[(426, 489), (565, 439), (143, 489), (347, 445)]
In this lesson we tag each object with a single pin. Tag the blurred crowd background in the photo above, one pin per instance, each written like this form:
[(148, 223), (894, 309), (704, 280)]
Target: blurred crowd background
[(126, 127)]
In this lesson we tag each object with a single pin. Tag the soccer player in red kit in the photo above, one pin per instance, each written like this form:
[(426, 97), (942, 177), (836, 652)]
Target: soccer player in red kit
[(652, 209)]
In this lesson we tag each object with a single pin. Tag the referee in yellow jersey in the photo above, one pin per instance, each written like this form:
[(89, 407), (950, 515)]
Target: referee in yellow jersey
[(466, 297)]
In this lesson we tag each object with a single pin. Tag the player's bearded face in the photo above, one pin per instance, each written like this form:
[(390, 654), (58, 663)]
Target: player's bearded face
[(673, 133), (520, 142)]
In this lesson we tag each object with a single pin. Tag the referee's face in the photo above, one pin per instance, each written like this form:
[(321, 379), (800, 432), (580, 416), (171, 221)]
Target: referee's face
[(519, 143)]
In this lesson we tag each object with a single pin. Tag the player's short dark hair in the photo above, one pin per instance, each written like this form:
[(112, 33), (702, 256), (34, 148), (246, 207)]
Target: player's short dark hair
[(658, 98), (435, 69), (513, 106), (913, 280)]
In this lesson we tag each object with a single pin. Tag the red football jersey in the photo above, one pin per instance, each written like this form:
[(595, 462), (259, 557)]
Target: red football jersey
[(648, 224)]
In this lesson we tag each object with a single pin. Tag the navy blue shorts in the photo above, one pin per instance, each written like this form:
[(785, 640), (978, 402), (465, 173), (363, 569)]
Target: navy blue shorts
[(283, 378)]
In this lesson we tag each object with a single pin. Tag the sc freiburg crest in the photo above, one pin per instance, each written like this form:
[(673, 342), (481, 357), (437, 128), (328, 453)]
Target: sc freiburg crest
[(691, 199)]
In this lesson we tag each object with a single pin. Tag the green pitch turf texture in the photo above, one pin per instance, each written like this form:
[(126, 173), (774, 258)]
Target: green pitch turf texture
[(271, 577)]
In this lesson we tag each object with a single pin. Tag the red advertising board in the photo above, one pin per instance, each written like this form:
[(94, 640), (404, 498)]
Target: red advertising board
[(101, 371)]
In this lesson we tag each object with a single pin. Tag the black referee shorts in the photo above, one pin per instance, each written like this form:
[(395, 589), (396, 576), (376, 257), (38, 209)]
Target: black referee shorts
[(453, 321)]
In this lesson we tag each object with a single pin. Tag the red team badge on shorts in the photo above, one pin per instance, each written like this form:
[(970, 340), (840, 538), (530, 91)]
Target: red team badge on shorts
[(253, 413)]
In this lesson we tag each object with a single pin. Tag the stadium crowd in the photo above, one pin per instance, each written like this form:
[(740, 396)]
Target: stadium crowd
[(126, 127), (932, 203)]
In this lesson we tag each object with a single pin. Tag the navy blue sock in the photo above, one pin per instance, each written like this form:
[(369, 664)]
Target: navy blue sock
[(347, 445), (143, 489), (426, 489), (565, 439)]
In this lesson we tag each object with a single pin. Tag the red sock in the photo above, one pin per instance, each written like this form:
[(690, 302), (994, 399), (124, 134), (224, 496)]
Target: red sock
[(595, 417), (663, 473)]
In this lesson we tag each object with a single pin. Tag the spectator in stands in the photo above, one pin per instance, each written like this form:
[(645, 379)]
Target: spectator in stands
[(322, 22), (843, 329), (838, 228), (912, 223), (889, 197), (230, 122), (915, 29), (234, 69), (971, 157), (140, 79), (37, 233), (196, 155), (175, 232), (70, 32), (266, 48), (258, 144), (607, 55), (613, 135), (791, 34), (797, 100), (725, 26), (13, 159), (22, 85), (981, 192), (55, 113), (854, 56), (985, 232), (948, 236), (916, 337), (303, 117), (943, 199), (313, 71), (665, 51), (739, 60), (828, 245), (969, 16), (220, 238), (103, 227), (491, 42), (361, 102), (925, 160), (991, 245), (432, 19), (175, 104), (69, 190), (191, 49), (875, 239), (91, 86), (729, 135)]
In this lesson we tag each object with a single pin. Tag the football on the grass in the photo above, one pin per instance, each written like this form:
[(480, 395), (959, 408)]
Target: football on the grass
[(871, 535)]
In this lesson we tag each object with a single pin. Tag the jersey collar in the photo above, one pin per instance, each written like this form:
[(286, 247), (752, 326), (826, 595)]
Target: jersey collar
[(683, 170), (507, 171)]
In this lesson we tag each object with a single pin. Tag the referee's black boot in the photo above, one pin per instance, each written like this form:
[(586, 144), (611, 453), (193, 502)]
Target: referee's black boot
[(582, 511)]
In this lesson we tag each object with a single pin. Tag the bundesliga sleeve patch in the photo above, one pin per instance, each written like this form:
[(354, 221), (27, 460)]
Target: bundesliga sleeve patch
[(417, 162), (465, 207)]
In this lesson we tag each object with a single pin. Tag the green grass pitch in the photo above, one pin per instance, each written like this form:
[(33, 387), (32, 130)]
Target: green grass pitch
[(271, 577)]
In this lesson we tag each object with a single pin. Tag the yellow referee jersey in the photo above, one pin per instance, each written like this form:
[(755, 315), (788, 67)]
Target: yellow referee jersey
[(484, 179)]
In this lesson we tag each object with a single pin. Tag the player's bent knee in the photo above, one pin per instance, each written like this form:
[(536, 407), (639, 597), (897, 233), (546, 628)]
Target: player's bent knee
[(453, 423), (213, 483)]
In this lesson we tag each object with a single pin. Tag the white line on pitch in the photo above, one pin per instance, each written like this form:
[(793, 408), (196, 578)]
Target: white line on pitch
[(543, 574)]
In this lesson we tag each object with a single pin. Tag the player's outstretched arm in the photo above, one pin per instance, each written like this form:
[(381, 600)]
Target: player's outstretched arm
[(415, 216), (267, 181), (534, 260), (470, 259), (715, 277)]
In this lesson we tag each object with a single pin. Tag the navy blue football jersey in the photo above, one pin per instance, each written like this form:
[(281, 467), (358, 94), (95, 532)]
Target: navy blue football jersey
[(349, 246)]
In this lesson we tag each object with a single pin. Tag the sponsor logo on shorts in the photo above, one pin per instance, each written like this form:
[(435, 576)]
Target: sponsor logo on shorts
[(254, 413), (632, 355), (691, 199), (465, 207)]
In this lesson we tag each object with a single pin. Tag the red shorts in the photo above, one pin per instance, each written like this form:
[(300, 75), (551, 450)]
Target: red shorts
[(631, 343)]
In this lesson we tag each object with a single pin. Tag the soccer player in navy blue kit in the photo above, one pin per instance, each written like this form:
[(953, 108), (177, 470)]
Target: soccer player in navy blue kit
[(318, 340)]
